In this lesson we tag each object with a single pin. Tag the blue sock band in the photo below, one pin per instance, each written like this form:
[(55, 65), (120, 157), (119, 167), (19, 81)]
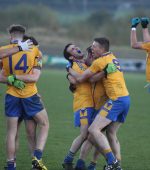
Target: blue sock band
[(110, 157), (38, 154), (69, 158), (80, 163), (11, 165)]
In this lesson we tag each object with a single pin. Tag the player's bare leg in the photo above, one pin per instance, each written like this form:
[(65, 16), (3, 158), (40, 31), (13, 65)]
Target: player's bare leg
[(17, 138), (85, 149), (12, 125), (78, 141), (42, 121), (96, 131), (31, 134), (113, 140), (102, 143)]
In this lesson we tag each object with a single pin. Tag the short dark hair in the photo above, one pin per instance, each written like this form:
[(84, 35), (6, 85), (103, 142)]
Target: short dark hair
[(19, 28), (104, 42), (66, 53), (26, 37)]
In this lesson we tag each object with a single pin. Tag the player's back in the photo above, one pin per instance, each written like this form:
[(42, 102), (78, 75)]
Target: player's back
[(83, 93), (21, 63)]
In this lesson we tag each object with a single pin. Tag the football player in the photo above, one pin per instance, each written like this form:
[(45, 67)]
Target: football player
[(143, 45)]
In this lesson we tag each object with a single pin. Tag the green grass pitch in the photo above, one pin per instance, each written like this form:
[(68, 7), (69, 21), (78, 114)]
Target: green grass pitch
[(134, 135)]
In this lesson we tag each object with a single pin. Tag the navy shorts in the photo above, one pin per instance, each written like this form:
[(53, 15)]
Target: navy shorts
[(25, 108), (83, 116), (116, 110)]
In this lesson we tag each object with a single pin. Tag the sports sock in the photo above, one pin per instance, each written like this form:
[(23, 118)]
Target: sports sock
[(38, 154), (80, 163), (69, 158), (109, 156), (11, 165), (92, 165)]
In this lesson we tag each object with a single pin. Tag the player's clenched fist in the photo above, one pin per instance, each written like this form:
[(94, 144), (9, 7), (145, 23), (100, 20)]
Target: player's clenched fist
[(135, 22), (144, 22)]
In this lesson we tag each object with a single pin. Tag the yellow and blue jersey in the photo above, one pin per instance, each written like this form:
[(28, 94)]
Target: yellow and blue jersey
[(114, 84), (83, 93), (21, 63), (146, 46)]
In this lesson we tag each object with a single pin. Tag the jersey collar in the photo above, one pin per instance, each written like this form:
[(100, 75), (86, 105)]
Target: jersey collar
[(105, 54)]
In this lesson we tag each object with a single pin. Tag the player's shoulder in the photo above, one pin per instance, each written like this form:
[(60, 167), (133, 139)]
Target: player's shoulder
[(97, 60)]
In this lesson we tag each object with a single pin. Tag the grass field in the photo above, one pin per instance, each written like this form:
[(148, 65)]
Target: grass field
[(134, 135)]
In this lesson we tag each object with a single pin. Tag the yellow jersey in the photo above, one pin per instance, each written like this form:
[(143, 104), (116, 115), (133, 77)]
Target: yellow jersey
[(114, 84), (146, 46), (21, 63), (83, 93), (99, 95)]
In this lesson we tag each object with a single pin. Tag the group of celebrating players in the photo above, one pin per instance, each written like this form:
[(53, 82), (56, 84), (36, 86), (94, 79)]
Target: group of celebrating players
[(101, 99)]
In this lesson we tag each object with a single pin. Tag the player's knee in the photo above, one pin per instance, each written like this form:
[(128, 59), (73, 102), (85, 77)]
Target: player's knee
[(43, 122), (91, 130)]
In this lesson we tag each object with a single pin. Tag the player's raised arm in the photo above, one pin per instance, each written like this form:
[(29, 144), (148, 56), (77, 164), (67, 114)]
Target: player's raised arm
[(133, 37), (22, 46)]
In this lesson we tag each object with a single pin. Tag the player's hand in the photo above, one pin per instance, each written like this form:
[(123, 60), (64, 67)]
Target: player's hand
[(135, 22), (110, 68), (25, 46), (11, 79), (69, 65), (144, 22), (19, 84)]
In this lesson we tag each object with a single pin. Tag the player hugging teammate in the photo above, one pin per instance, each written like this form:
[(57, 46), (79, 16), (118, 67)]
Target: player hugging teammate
[(112, 114), (21, 69)]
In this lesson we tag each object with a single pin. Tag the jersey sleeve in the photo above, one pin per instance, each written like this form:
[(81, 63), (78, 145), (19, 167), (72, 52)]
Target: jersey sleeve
[(38, 59), (95, 67), (146, 46)]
